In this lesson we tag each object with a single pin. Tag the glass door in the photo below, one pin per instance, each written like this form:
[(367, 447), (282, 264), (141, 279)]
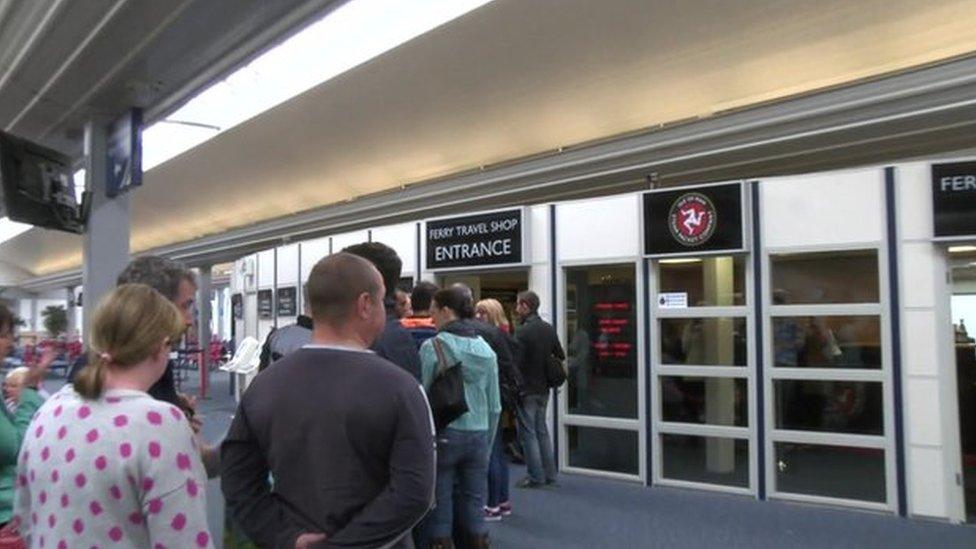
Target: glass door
[(828, 378), (702, 364), (963, 310), (601, 407)]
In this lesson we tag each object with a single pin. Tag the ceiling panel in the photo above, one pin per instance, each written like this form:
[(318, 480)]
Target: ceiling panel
[(518, 78)]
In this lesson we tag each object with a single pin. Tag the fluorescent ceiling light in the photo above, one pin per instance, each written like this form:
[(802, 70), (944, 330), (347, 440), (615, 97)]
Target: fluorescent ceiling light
[(680, 261), (961, 249), (345, 38), (9, 229)]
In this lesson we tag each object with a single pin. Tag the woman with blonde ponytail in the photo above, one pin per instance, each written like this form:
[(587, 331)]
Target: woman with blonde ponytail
[(104, 463)]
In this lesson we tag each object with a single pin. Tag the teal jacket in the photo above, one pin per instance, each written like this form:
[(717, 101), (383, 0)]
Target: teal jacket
[(479, 368), (12, 429)]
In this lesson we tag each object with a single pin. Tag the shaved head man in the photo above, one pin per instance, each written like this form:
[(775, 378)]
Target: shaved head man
[(337, 413)]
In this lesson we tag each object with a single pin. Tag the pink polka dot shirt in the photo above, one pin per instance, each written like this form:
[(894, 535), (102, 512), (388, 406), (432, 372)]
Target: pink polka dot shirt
[(122, 471)]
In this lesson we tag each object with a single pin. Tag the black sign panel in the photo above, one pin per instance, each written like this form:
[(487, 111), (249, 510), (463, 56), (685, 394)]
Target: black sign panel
[(237, 306), (475, 240), (954, 199), (287, 304), (265, 304), (693, 220)]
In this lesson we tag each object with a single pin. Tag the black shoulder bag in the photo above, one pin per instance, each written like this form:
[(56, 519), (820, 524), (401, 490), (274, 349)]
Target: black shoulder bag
[(446, 393), (555, 372)]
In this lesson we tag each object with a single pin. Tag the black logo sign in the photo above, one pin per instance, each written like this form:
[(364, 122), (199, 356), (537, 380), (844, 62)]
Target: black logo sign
[(954, 199), (265, 304), (475, 240), (287, 305), (692, 220), (237, 306)]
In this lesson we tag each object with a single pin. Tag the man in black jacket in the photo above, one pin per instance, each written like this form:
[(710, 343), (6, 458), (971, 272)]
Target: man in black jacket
[(539, 342), (395, 343)]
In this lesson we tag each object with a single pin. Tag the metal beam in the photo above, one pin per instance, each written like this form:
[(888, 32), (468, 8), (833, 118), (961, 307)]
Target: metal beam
[(39, 94)]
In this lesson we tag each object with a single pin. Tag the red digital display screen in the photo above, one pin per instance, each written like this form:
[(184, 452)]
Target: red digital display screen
[(614, 325)]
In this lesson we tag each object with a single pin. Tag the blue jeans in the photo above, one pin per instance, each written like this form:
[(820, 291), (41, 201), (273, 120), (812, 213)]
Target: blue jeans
[(498, 472), (462, 460), (534, 434)]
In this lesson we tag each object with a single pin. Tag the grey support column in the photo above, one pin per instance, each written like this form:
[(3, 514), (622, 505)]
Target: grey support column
[(106, 239), (203, 320), (35, 319), (69, 306)]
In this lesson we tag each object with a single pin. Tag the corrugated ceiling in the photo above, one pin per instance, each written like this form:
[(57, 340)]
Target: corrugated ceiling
[(516, 78)]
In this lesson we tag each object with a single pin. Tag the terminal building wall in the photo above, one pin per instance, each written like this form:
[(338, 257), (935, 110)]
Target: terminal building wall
[(819, 259)]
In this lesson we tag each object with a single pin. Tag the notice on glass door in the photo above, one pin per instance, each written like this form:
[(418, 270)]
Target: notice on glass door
[(673, 300)]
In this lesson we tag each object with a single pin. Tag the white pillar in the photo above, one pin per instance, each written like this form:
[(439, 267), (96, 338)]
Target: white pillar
[(106, 239), (720, 392)]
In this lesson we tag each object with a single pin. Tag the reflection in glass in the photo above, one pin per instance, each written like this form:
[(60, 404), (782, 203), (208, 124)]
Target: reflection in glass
[(601, 322), (827, 342), (712, 401), (708, 282), (603, 449), (831, 471), (703, 341), (711, 460), (825, 277), (833, 406)]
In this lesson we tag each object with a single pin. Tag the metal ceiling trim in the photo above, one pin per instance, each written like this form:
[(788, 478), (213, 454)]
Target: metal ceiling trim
[(110, 74), (928, 98), (42, 29), (38, 95)]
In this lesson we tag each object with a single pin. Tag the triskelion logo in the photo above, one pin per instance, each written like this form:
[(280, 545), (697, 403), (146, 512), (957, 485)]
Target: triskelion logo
[(692, 219)]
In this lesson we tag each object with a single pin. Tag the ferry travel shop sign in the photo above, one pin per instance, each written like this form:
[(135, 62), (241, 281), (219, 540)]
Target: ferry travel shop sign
[(488, 239), (693, 220), (954, 200)]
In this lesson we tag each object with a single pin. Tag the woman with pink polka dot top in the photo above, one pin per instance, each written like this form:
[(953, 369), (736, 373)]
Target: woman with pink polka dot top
[(103, 463)]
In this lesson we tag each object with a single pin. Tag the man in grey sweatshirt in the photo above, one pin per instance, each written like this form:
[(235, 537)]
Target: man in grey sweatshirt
[(346, 435)]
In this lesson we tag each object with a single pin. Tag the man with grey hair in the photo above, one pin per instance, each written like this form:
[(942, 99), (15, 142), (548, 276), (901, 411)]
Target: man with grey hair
[(179, 285)]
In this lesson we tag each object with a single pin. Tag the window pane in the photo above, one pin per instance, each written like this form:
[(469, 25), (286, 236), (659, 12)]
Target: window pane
[(705, 459), (827, 342), (825, 277), (601, 320), (603, 449), (833, 406), (831, 471), (713, 401), (703, 341), (707, 282)]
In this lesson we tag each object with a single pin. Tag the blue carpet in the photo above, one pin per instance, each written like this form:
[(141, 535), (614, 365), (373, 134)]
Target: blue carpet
[(588, 512)]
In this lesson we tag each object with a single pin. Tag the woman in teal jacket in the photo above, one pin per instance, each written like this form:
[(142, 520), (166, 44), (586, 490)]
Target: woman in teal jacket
[(463, 447), (13, 426)]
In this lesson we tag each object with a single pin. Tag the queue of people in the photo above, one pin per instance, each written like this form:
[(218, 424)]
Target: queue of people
[(333, 444)]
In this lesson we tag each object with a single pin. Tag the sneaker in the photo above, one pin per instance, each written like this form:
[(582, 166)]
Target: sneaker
[(506, 508), (493, 514), (551, 482), (527, 483)]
